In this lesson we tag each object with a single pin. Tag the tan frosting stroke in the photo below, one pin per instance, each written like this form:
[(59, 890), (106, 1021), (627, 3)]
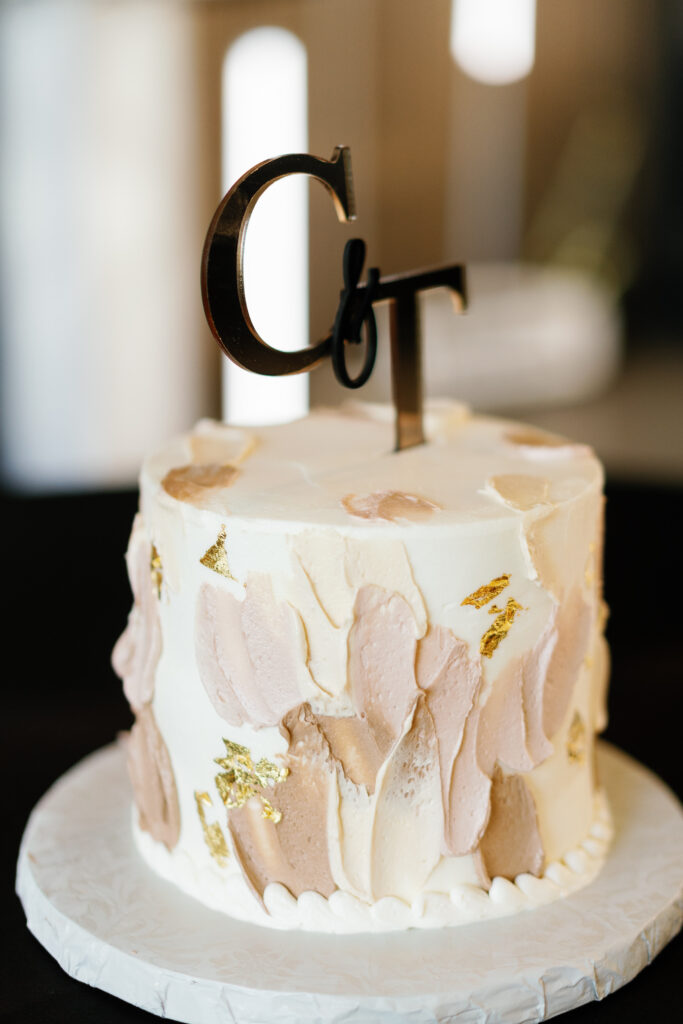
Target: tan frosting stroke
[(389, 506), (153, 781), (294, 851), (512, 843), (137, 651), (352, 744), (192, 482), (248, 653), (382, 645)]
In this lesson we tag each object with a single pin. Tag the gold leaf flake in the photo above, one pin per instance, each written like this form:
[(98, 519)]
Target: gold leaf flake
[(576, 740), (241, 779), (487, 593), (216, 557), (500, 626), (213, 834), (156, 570)]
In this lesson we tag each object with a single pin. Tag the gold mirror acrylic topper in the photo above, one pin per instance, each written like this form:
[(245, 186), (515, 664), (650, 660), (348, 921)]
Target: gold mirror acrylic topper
[(228, 316)]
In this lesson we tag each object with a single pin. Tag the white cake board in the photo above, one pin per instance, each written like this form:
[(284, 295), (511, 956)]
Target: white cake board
[(98, 909)]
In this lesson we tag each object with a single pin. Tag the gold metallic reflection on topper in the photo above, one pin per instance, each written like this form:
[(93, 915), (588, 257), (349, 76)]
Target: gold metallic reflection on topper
[(156, 569), (241, 779), (216, 557), (213, 834), (487, 593), (500, 628)]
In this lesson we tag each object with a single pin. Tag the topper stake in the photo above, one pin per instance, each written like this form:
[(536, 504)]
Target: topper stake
[(228, 317)]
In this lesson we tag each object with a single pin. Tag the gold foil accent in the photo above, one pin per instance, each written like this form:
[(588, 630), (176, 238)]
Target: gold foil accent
[(500, 626), (487, 593), (242, 779), (576, 740), (156, 569), (216, 557), (213, 834)]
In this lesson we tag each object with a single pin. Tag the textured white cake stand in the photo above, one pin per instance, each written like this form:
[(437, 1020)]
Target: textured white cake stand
[(96, 907)]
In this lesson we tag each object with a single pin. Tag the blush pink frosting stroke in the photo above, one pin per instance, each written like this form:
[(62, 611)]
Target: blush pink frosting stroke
[(153, 781), (247, 653), (510, 729), (451, 680), (574, 625), (382, 647), (137, 651)]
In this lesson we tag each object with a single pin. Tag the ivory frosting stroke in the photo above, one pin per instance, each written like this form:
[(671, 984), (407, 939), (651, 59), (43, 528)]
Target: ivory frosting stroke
[(401, 652)]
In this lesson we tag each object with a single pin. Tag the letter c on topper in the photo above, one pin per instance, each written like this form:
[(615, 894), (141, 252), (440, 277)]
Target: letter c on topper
[(223, 295)]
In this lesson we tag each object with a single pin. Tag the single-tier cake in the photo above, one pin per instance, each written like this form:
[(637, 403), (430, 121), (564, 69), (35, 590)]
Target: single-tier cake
[(367, 683)]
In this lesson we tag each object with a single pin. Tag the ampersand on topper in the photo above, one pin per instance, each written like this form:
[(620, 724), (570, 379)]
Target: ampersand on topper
[(228, 316)]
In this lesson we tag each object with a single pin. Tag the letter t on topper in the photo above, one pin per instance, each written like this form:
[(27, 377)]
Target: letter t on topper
[(228, 317)]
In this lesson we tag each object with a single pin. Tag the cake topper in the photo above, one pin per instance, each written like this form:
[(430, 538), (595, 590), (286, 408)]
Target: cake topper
[(228, 316)]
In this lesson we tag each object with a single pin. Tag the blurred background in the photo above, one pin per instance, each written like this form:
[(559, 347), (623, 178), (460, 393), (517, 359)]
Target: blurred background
[(540, 143)]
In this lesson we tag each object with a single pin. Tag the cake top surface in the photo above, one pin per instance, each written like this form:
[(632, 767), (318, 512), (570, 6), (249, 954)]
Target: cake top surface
[(337, 467)]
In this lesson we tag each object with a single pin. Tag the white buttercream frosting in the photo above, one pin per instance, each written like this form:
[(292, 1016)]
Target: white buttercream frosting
[(412, 639)]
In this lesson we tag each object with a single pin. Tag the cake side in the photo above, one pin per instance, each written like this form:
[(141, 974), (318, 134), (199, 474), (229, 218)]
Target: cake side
[(363, 676)]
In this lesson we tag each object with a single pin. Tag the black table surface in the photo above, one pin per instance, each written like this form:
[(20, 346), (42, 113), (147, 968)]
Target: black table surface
[(65, 600)]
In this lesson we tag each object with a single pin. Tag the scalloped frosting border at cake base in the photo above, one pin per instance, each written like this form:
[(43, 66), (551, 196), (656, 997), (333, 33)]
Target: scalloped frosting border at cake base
[(343, 913)]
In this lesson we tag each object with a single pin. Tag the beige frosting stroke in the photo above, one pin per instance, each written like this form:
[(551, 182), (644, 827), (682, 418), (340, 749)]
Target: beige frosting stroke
[(407, 830), (136, 654), (213, 442), (248, 653), (153, 781), (389, 506), (521, 491), (530, 437)]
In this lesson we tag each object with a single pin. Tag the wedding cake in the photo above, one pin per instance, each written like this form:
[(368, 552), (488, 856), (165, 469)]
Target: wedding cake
[(367, 683)]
